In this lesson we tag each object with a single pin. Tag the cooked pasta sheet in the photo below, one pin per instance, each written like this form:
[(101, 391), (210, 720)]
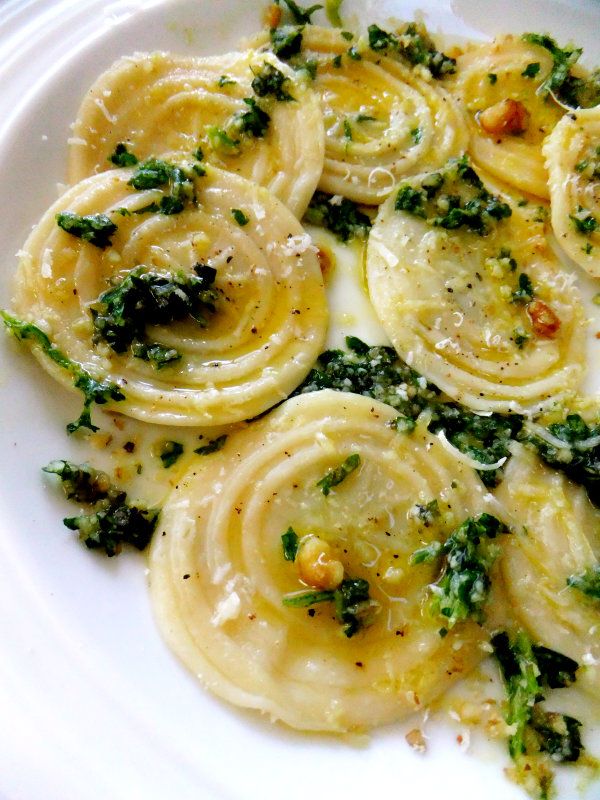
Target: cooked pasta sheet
[(382, 120), (158, 103), (270, 315), (470, 294), (508, 117), (218, 575), (556, 535), (573, 158)]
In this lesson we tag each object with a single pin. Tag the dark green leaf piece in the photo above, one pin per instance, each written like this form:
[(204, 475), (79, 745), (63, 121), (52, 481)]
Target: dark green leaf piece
[(97, 229), (335, 476)]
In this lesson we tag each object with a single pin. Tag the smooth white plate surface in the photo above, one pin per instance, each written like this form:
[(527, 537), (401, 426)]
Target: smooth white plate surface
[(92, 705)]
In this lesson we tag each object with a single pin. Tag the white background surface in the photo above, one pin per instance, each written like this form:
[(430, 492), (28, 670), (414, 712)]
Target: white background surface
[(92, 706)]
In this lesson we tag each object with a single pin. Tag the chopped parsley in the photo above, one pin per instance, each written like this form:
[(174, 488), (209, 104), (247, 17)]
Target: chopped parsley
[(416, 135), (212, 447), (354, 54), (121, 314), (525, 292), (225, 80), (253, 122), (289, 543), (492, 78), (412, 45), (97, 229), (122, 157), (271, 81), (335, 476), (353, 605), (239, 217), (587, 582), (340, 215), (462, 589), (468, 205), (221, 142), (170, 452), (94, 390), (539, 737), (115, 521)]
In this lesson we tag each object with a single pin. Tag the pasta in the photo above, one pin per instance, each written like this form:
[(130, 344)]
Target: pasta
[(573, 159), (270, 318), (368, 524), (220, 607), (160, 103), (516, 156), (382, 120), (450, 299)]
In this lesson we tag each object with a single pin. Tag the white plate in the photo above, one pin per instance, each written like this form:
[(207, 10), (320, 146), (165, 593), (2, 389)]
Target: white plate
[(92, 705)]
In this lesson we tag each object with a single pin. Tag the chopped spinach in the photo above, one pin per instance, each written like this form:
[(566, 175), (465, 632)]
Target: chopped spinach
[(142, 298), (253, 122), (271, 81), (97, 229), (158, 174), (335, 476), (80, 482), (122, 157), (525, 292), (94, 390), (343, 218), (462, 589)]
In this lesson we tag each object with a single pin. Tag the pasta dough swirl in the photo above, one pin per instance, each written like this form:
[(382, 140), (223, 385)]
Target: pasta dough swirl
[(270, 313), (218, 574)]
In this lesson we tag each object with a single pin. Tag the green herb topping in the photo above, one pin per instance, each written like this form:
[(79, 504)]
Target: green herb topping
[(462, 589), (525, 292), (301, 15), (97, 229), (340, 215), (353, 605), (527, 669), (157, 174), (94, 391), (142, 298), (271, 81), (122, 157), (212, 447), (335, 476), (531, 70), (170, 452), (470, 205), (115, 521), (239, 217), (587, 582), (585, 222), (289, 542), (414, 46), (286, 41)]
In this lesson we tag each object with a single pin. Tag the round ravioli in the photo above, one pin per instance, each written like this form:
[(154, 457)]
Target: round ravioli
[(249, 112), (382, 120), (255, 539), (206, 316), (470, 294), (498, 84), (556, 536), (573, 158)]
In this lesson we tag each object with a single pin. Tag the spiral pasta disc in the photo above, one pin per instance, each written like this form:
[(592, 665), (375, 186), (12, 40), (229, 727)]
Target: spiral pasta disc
[(270, 314), (382, 121), (573, 158), (516, 159), (556, 535), (159, 103), (451, 301), (218, 573)]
